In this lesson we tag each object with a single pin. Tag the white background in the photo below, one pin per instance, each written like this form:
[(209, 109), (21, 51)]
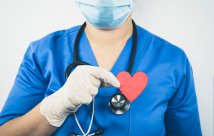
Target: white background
[(187, 23)]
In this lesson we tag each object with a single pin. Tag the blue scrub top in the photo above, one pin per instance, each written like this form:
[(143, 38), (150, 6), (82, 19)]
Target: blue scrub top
[(168, 106)]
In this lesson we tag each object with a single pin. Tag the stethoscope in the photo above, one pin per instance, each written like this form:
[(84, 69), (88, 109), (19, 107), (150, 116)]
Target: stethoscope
[(118, 103)]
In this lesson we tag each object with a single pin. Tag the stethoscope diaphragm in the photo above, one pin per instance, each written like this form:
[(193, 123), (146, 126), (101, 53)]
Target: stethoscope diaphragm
[(119, 104)]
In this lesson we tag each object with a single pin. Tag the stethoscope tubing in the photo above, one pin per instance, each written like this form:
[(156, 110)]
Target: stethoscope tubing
[(77, 61)]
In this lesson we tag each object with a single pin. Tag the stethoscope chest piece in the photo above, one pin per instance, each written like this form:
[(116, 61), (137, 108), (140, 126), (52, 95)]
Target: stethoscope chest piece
[(119, 104)]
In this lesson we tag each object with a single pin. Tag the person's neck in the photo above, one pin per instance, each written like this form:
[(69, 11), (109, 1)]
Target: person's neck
[(110, 37)]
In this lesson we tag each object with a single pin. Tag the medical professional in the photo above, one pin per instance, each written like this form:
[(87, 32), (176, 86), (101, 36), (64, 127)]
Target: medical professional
[(106, 49)]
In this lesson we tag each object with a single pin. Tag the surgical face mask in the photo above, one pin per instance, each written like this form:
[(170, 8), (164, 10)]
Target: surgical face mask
[(105, 14)]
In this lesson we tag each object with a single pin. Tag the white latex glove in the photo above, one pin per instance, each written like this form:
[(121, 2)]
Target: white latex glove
[(80, 88)]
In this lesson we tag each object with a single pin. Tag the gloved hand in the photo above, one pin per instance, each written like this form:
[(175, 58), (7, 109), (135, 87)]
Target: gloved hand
[(80, 88)]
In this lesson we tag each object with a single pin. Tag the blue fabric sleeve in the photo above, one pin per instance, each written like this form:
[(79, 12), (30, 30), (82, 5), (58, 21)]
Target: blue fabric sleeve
[(28, 89), (182, 116)]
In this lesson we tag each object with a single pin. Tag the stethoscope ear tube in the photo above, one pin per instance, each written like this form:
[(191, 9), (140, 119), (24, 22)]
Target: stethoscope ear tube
[(76, 58)]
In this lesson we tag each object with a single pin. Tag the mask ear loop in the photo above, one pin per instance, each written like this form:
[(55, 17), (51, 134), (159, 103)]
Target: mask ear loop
[(90, 125)]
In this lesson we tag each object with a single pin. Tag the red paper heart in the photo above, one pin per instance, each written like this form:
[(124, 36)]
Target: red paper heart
[(132, 87)]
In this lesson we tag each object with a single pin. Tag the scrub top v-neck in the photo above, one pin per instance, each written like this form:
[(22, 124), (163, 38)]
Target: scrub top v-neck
[(168, 105), (86, 54)]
